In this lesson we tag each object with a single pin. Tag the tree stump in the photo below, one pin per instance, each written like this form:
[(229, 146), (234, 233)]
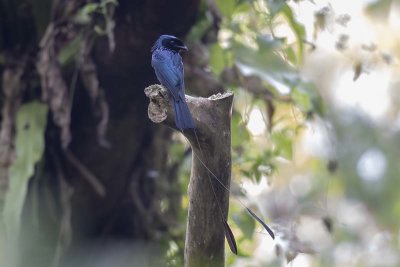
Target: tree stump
[(211, 147)]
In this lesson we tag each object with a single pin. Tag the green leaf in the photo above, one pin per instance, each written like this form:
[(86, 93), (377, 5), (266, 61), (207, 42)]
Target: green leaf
[(306, 96), (83, 16), (298, 30), (198, 30), (283, 141), (302, 99), (226, 7), (379, 9), (29, 145), (70, 51), (104, 3), (265, 63), (90, 8), (275, 6), (99, 30), (243, 7), (240, 134), (290, 55), (217, 59), (264, 58)]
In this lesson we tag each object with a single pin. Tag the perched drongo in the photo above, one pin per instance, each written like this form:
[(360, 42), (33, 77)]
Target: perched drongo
[(168, 66)]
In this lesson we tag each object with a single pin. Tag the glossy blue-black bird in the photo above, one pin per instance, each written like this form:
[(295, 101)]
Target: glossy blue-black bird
[(168, 66)]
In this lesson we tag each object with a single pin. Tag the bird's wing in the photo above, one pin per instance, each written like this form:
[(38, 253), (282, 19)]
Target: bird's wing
[(177, 61), (167, 73)]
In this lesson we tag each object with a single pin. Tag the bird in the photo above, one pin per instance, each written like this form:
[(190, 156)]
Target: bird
[(167, 64)]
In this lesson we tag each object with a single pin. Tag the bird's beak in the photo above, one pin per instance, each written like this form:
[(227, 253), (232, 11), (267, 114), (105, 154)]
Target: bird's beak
[(183, 47)]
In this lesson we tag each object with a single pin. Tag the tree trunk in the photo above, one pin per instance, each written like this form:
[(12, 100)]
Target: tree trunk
[(211, 158)]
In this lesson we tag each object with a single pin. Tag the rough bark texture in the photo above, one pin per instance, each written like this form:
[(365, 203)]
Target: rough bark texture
[(212, 147)]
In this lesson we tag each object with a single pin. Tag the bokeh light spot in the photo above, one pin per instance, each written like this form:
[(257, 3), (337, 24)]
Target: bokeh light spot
[(256, 124), (372, 165)]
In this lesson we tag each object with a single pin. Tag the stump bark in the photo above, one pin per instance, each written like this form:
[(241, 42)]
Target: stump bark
[(204, 245)]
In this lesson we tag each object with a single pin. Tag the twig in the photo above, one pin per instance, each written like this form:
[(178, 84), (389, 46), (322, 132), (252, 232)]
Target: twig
[(86, 174)]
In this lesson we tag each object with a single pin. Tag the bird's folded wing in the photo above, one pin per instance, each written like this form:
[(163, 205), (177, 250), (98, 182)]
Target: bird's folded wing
[(168, 76)]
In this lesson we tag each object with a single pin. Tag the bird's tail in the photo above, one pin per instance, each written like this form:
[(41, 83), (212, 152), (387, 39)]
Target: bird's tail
[(183, 118)]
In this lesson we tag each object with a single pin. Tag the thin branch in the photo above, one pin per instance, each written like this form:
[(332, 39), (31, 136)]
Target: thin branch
[(86, 174)]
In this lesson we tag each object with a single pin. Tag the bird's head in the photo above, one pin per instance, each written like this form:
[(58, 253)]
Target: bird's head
[(170, 42)]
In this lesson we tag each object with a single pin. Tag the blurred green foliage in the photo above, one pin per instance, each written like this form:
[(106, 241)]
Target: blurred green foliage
[(31, 123), (351, 212)]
